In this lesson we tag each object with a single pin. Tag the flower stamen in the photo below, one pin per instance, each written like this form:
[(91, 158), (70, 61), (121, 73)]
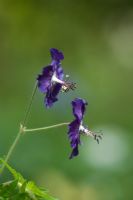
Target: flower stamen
[(96, 135), (68, 86)]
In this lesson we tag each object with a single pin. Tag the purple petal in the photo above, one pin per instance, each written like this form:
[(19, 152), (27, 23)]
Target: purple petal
[(74, 153), (74, 136), (44, 80), (51, 95), (59, 72), (79, 108), (56, 54)]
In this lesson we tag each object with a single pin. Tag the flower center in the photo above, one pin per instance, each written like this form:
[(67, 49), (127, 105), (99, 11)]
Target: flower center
[(56, 80), (83, 129), (66, 86)]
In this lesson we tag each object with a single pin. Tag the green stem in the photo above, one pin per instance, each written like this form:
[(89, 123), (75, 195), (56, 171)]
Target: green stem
[(29, 105), (11, 150), (21, 129), (46, 127)]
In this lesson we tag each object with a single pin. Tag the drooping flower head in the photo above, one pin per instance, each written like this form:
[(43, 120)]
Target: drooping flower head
[(50, 82), (76, 127)]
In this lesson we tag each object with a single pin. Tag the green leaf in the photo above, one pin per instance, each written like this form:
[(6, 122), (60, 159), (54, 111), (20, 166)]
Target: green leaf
[(15, 174), (21, 189), (8, 189), (38, 191)]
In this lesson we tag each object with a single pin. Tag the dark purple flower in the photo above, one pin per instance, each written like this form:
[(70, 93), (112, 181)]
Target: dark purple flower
[(50, 82), (76, 127)]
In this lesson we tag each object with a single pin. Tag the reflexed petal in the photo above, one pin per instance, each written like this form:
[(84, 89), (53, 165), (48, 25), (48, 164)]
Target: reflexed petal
[(74, 136), (56, 54), (51, 95), (44, 80), (74, 153), (79, 108)]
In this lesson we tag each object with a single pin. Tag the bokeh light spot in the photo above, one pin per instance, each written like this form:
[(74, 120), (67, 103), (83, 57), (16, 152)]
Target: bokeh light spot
[(110, 153)]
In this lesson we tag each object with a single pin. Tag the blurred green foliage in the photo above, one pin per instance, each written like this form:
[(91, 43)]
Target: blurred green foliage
[(96, 38), (19, 188)]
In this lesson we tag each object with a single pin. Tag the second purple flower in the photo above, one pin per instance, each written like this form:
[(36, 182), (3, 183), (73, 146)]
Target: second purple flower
[(76, 127)]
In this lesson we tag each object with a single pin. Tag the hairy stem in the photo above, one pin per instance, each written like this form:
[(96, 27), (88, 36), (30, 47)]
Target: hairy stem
[(46, 127)]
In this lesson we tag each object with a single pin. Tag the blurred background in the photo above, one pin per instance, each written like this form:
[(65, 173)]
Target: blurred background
[(96, 38)]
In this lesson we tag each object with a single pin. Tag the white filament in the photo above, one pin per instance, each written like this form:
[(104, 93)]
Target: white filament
[(55, 79)]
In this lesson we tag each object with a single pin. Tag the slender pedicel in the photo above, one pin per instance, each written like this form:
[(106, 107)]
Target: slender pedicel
[(29, 105), (45, 128)]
